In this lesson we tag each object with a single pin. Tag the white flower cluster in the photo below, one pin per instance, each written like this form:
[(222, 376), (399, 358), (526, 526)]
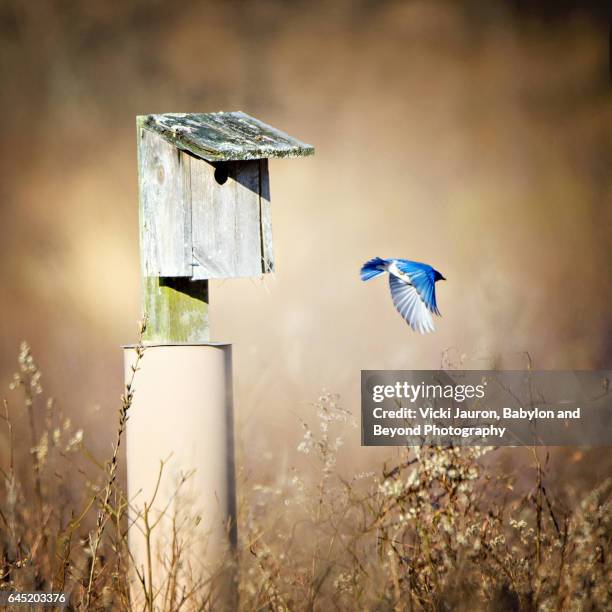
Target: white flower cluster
[(28, 375)]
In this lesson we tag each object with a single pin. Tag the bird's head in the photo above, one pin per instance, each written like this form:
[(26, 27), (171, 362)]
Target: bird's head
[(438, 276)]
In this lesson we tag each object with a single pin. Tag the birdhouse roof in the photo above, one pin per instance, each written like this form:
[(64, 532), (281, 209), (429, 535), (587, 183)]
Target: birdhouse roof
[(224, 136)]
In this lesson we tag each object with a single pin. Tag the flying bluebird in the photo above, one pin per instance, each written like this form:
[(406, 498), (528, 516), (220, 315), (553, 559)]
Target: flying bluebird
[(412, 289)]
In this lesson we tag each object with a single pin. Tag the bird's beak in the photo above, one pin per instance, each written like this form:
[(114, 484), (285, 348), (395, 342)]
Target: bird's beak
[(443, 278)]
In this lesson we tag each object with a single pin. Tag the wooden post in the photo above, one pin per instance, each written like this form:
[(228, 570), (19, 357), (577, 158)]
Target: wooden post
[(204, 214), (176, 309)]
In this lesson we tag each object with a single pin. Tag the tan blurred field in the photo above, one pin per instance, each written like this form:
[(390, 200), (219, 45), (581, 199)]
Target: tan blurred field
[(476, 140)]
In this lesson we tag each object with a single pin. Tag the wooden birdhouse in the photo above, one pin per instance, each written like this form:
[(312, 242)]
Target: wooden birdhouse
[(204, 213), (205, 197)]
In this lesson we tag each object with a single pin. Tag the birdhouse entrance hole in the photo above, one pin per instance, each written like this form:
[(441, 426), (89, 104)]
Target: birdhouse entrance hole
[(221, 173)]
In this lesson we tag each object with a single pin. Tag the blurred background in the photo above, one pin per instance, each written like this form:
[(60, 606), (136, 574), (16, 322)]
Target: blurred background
[(475, 136)]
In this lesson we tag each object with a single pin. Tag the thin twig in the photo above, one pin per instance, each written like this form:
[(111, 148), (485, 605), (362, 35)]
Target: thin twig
[(126, 403)]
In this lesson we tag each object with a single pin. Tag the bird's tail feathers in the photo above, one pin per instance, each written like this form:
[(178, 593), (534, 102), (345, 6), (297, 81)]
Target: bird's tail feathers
[(373, 268)]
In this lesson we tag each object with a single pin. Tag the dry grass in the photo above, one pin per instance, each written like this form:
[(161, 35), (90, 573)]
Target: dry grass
[(436, 530)]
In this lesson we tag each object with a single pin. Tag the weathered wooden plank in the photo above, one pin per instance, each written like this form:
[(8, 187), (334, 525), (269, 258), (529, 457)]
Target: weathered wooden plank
[(176, 309), (226, 220), (213, 231), (245, 176), (165, 201), (225, 136), (267, 251)]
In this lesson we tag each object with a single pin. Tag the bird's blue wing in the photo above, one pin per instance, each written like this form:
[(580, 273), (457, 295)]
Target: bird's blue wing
[(410, 305), (422, 277)]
